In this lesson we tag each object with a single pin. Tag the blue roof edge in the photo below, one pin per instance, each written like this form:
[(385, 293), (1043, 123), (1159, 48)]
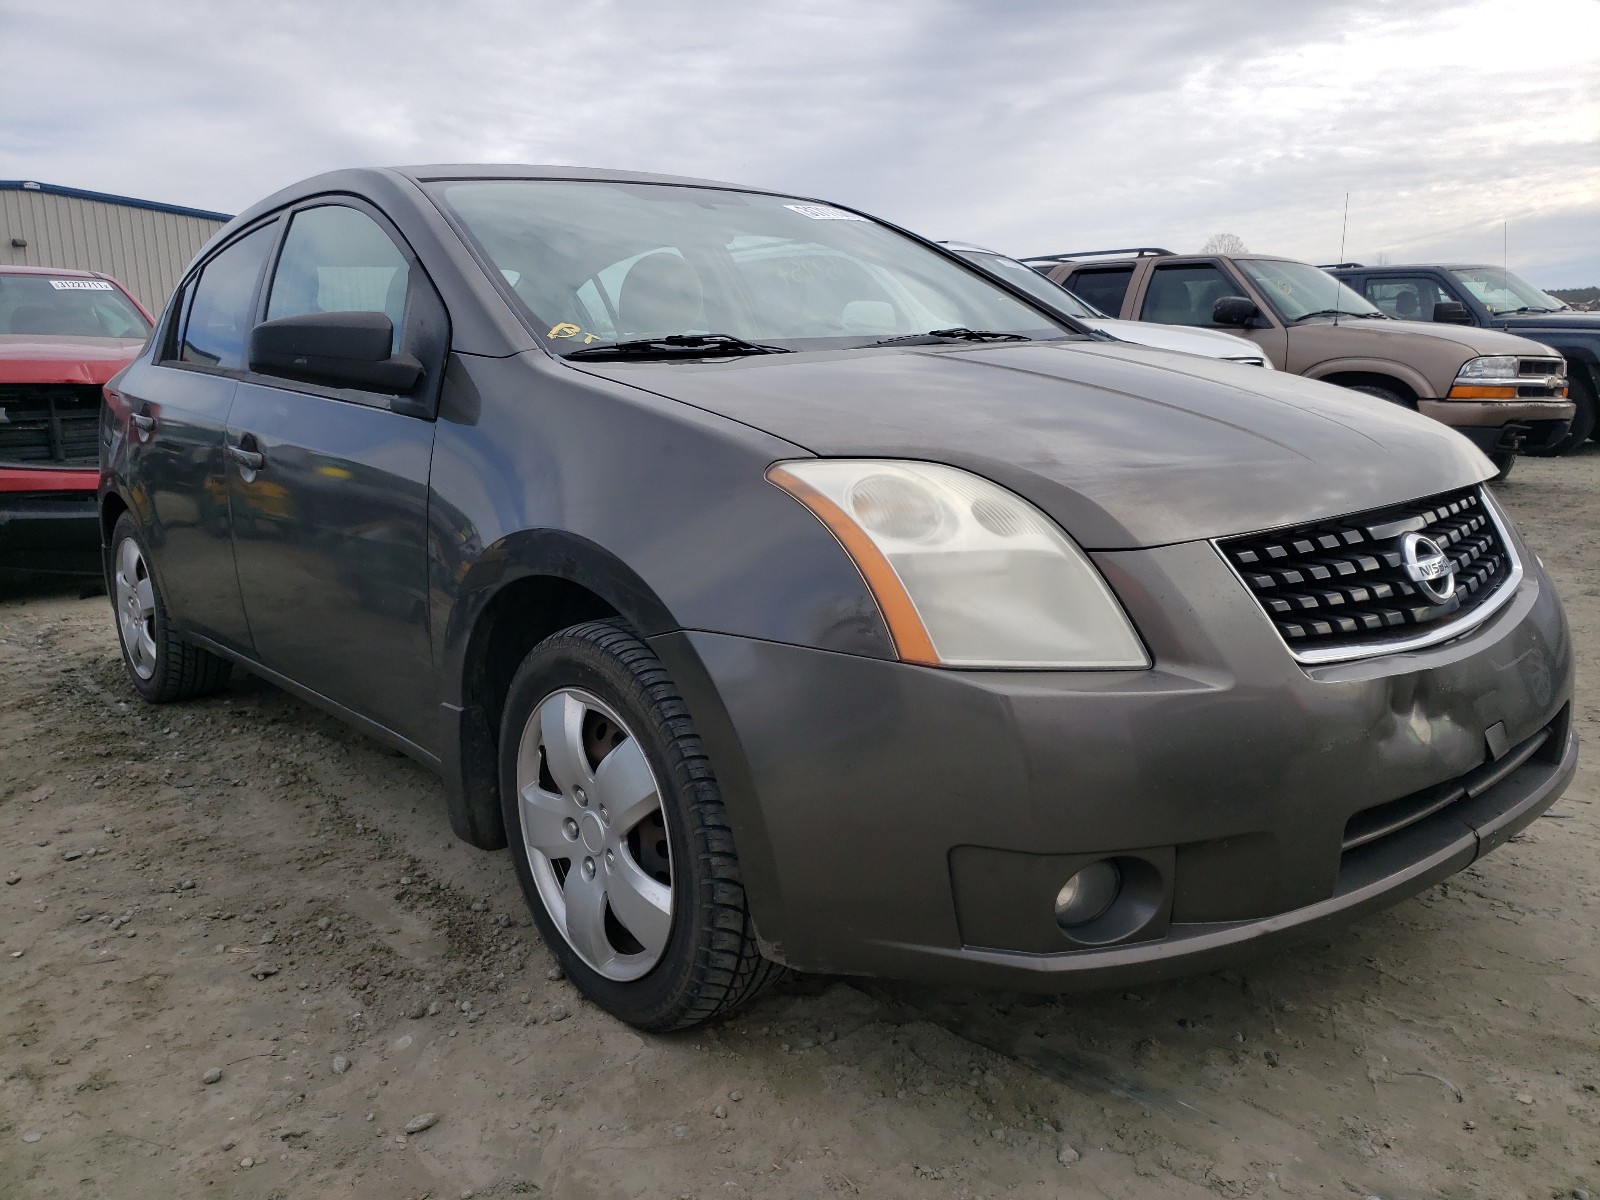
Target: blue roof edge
[(55, 189)]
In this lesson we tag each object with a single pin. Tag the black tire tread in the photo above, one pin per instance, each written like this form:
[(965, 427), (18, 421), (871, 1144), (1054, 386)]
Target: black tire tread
[(728, 971)]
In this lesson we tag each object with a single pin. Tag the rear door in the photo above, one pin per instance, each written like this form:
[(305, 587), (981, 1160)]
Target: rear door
[(329, 486), (180, 400), (1106, 288)]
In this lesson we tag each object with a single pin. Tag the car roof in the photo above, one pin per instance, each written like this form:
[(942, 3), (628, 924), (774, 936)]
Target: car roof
[(1433, 266), (384, 181), (58, 272)]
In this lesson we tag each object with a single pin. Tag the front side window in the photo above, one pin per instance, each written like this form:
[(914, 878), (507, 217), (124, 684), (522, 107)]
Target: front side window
[(221, 311), (1185, 293), (598, 262), (338, 259), (41, 305), (1105, 289), (1407, 298), (1297, 290), (1502, 291)]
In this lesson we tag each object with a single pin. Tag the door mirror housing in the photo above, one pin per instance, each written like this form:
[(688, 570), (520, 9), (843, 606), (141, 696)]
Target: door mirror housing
[(1239, 311), (1451, 312), (338, 349)]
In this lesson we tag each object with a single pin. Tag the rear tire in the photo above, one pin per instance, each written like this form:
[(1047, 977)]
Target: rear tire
[(630, 872), (161, 666)]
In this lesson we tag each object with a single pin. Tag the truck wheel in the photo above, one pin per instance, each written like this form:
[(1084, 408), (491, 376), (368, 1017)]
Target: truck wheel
[(1583, 421), (1503, 461), (619, 835), (161, 666)]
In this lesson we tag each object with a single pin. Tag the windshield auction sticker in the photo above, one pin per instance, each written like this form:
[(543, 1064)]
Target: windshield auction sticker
[(821, 212), (80, 285)]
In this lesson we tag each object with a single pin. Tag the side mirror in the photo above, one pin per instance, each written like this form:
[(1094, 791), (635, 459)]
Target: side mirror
[(1239, 311), (340, 349), (1451, 312)]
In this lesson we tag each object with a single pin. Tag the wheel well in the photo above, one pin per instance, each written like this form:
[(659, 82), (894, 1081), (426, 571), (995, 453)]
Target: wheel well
[(110, 512), (520, 616), (1388, 383)]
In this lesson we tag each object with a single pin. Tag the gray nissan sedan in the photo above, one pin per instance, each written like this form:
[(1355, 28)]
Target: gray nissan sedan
[(786, 592)]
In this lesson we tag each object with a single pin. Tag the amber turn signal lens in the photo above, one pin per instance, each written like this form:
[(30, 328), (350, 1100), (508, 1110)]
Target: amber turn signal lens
[(1463, 391), (910, 635)]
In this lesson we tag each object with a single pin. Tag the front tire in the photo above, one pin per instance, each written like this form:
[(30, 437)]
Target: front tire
[(619, 835), (161, 666)]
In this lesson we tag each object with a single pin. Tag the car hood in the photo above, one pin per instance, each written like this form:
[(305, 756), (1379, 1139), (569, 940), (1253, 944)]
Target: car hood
[(29, 358), (1589, 321), (1472, 340), (1124, 446), (1210, 342)]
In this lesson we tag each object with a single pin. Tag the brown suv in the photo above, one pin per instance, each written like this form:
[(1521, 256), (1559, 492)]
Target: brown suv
[(1505, 393)]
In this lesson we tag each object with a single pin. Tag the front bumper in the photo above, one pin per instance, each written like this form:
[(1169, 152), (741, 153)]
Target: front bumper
[(913, 822), (54, 532), (1497, 426)]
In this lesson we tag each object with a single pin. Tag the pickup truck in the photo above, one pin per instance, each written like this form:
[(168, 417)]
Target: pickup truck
[(1493, 298), (1505, 393)]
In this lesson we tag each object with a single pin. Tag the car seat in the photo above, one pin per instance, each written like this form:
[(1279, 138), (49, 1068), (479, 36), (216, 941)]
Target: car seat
[(1406, 306), (661, 294)]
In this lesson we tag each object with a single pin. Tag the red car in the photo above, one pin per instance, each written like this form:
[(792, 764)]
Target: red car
[(62, 335)]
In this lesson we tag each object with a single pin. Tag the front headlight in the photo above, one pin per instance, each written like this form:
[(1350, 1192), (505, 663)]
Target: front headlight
[(1491, 366), (965, 573)]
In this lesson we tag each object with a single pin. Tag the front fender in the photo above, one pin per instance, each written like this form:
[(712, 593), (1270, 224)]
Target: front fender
[(1412, 378)]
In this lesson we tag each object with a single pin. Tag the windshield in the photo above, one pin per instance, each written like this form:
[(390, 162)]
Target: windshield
[(37, 304), (1297, 289), (595, 263), (1501, 291), (1020, 275)]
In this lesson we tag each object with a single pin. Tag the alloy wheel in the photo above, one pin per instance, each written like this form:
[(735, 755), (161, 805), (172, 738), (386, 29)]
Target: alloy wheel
[(136, 608)]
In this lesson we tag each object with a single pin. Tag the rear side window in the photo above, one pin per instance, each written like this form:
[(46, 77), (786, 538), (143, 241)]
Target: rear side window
[(1184, 293), (338, 259), (1410, 297), (220, 314), (1104, 289)]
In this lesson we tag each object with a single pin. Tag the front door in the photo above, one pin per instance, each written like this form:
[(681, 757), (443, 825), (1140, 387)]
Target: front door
[(329, 490)]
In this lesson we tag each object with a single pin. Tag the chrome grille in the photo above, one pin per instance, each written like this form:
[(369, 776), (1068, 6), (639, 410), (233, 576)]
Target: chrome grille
[(1340, 588)]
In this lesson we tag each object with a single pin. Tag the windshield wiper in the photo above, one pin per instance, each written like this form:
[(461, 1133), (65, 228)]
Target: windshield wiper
[(1526, 308), (957, 333), (1337, 312), (678, 345)]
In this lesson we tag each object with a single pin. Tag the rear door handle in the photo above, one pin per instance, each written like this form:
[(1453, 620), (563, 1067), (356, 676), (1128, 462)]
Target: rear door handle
[(250, 460)]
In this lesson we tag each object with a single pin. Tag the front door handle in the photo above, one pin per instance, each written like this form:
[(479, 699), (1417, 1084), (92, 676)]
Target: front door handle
[(143, 422), (250, 460)]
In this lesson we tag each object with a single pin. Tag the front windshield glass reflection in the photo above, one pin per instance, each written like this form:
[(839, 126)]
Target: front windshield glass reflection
[(595, 263), (1502, 291), (1297, 290)]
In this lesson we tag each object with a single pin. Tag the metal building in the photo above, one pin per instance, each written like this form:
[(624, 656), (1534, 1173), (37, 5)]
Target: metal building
[(143, 244)]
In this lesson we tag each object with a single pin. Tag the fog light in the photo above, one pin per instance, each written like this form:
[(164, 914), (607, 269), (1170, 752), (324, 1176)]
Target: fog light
[(1087, 894)]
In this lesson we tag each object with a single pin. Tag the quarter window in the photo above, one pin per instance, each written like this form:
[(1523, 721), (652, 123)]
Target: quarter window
[(1103, 289), (1184, 293), (220, 315), (337, 259)]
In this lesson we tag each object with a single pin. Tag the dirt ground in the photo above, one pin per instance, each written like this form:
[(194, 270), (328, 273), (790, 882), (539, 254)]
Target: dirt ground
[(243, 885)]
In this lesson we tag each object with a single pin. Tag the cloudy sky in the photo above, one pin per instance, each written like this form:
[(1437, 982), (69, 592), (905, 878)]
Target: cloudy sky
[(1029, 125)]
